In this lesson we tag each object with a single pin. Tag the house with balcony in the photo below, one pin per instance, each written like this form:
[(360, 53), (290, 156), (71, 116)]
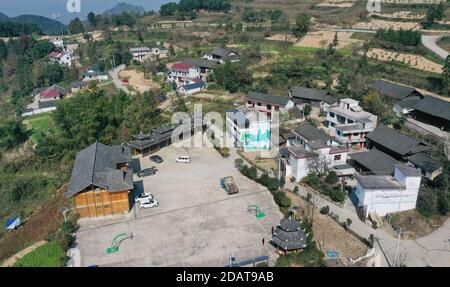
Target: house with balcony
[(349, 123), (311, 146), (61, 58), (315, 97), (183, 74), (143, 53), (268, 104)]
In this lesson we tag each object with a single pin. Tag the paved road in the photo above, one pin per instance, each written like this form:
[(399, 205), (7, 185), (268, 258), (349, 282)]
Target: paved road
[(114, 74), (430, 250), (430, 43)]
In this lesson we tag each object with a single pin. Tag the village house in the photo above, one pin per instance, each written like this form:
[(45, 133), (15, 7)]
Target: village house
[(205, 67), (44, 100), (61, 58), (183, 74), (373, 162), (433, 111), (349, 123), (94, 74), (247, 129), (189, 89), (268, 104), (316, 98), (143, 53), (429, 167), (394, 143), (101, 180), (58, 42), (311, 147), (222, 55), (383, 194)]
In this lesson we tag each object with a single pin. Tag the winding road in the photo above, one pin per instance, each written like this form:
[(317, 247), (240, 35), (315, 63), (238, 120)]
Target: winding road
[(429, 42)]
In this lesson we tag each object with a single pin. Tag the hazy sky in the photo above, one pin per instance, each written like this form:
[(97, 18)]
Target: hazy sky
[(57, 8)]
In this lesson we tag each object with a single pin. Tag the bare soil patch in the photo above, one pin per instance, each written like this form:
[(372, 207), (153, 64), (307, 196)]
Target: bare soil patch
[(414, 225), (375, 24), (400, 15), (282, 38), (411, 1), (138, 82), (322, 39), (414, 61), (337, 3)]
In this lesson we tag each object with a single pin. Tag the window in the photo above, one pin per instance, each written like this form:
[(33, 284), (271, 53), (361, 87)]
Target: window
[(337, 157), (277, 108), (331, 114), (259, 104), (269, 107)]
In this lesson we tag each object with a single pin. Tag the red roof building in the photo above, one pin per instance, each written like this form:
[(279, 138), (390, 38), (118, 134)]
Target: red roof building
[(181, 67)]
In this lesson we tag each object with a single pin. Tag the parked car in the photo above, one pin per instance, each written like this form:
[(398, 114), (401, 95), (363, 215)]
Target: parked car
[(156, 158), (184, 159), (143, 197), (147, 172), (148, 204)]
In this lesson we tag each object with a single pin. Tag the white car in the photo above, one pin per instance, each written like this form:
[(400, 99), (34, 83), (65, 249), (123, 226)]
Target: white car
[(148, 204), (143, 197), (184, 159)]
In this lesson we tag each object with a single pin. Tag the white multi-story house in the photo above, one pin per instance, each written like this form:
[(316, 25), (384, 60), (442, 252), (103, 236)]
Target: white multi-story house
[(383, 194), (349, 123), (183, 74), (311, 148), (248, 129), (61, 58), (58, 42), (143, 53)]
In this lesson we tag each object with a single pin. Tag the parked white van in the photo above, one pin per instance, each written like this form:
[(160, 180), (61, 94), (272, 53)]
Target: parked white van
[(184, 159)]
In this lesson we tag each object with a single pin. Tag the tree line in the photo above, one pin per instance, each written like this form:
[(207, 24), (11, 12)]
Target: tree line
[(11, 29), (402, 37), (187, 6)]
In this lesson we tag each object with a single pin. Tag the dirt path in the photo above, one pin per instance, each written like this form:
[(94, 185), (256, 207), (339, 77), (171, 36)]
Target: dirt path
[(13, 259)]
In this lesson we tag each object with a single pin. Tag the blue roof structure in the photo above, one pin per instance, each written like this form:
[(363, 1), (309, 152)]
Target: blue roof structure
[(12, 223)]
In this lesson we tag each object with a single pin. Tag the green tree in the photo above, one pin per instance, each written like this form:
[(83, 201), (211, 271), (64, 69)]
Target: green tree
[(445, 77), (302, 25), (3, 50), (232, 77), (75, 26), (92, 19), (12, 133)]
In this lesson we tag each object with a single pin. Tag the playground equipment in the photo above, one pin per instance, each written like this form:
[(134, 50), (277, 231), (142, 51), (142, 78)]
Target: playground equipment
[(332, 254), (117, 240), (255, 208)]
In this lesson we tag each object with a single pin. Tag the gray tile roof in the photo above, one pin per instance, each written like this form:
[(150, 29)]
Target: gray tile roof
[(289, 236), (309, 94), (395, 141), (392, 90), (310, 133), (48, 104), (424, 162), (222, 52), (266, 98), (97, 165), (201, 63), (435, 107), (375, 161), (408, 102), (407, 170), (378, 182)]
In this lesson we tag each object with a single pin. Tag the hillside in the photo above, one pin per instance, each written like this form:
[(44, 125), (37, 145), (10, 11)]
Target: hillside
[(46, 25), (124, 7)]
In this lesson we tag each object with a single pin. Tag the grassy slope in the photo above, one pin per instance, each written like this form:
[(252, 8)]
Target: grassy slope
[(47, 255)]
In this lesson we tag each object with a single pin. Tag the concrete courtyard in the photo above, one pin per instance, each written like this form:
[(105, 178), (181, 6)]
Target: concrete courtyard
[(197, 222)]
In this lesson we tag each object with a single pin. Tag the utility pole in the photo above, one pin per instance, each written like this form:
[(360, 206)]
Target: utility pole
[(396, 248)]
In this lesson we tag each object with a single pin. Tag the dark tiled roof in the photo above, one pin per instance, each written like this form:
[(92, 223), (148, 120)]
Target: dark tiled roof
[(408, 102), (392, 90), (310, 133), (376, 161), (435, 107), (297, 113), (407, 170), (97, 165), (266, 98), (48, 104), (424, 162), (201, 63), (160, 135), (395, 141), (222, 52), (300, 152), (329, 99), (289, 236), (309, 94)]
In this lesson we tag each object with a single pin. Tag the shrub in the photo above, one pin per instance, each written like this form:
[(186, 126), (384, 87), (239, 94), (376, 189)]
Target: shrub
[(338, 195), (224, 152), (349, 222), (332, 178), (325, 210), (296, 189), (239, 162), (281, 199)]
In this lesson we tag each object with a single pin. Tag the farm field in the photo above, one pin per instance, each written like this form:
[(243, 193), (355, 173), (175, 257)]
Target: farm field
[(138, 82), (322, 39), (47, 255), (375, 24), (414, 61)]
